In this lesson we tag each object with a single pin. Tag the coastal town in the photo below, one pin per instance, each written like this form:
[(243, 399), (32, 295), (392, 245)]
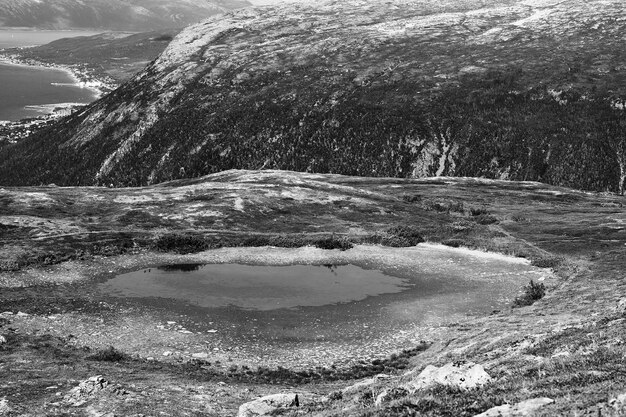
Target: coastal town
[(13, 131), (83, 77)]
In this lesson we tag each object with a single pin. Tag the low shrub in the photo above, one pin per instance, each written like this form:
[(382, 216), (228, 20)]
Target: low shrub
[(333, 242), (480, 211), (453, 243), (445, 206), (163, 38), (548, 262), (485, 219), (109, 354), (402, 236), (532, 292), (181, 243), (411, 198)]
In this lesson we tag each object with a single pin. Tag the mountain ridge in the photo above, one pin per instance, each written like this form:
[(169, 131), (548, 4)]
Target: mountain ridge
[(415, 89), (135, 15)]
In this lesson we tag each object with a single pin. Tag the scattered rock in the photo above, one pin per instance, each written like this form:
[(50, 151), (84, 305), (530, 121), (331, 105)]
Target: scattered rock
[(619, 402), (3, 340), (81, 393), (390, 395), (561, 354), (268, 405), (353, 389), (462, 375), (201, 355), (620, 308), (4, 407), (522, 409), (22, 314), (167, 353)]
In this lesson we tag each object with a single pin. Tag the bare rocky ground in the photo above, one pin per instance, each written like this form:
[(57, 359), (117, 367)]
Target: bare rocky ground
[(57, 242)]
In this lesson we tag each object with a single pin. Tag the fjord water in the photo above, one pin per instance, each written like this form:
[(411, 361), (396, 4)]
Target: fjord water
[(13, 38), (22, 86)]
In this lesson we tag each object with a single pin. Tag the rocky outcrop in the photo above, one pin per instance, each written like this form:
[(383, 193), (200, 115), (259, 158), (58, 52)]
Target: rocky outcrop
[(268, 405), (80, 394), (521, 409), (618, 403), (5, 409), (366, 383), (464, 375)]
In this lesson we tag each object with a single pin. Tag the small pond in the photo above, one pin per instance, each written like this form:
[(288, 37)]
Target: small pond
[(304, 302), (256, 287)]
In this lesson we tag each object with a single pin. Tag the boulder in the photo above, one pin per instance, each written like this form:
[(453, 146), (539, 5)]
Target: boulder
[(464, 375), (619, 402), (390, 395), (79, 395), (3, 340), (353, 389), (4, 407), (521, 409), (268, 405)]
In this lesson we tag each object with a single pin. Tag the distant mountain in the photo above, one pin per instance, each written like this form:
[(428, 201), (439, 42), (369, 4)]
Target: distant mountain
[(525, 90), (125, 15)]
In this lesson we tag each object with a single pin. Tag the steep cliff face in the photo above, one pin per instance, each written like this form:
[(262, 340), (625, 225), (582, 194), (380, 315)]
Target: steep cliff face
[(406, 88), (133, 15)]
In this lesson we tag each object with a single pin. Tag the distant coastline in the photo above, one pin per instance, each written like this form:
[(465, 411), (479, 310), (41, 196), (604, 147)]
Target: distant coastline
[(80, 78)]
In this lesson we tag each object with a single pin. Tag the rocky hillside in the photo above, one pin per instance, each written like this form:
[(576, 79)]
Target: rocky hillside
[(135, 15), (510, 89)]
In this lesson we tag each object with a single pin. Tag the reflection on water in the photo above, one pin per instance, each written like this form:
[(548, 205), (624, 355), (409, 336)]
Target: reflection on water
[(255, 287), (178, 268)]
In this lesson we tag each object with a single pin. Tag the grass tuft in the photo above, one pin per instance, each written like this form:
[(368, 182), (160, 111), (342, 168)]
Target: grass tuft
[(532, 292)]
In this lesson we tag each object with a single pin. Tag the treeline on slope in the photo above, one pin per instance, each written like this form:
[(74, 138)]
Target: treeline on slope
[(485, 125)]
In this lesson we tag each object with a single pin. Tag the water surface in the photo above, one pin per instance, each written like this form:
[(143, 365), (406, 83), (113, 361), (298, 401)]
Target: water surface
[(24, 86), (13, 38), (255, 287)]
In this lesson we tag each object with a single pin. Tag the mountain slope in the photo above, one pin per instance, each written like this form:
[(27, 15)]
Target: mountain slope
[(134, 15), (513, 89)]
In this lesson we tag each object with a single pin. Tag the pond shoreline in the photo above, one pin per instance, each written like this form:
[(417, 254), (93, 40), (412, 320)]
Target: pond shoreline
[(372, 328)]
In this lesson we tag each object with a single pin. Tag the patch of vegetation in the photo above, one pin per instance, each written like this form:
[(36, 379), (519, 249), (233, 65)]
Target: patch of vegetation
[(333, 242), (446, 206), (478, 211), (547, 262), (166, 37), (183, 243), (402, 236), (532, 292), (485, 219), (109, 354), (359, 370)]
